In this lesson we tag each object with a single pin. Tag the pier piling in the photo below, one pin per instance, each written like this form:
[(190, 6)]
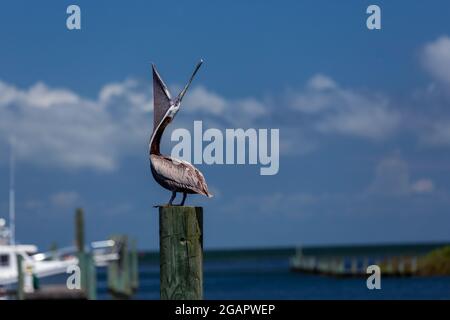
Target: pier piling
[(181, 252), (120, 271), (85, 259), (79, 230), (20, 278)]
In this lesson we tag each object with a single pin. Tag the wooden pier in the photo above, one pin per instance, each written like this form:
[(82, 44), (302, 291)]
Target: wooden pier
[(352, 261), (123, 273)]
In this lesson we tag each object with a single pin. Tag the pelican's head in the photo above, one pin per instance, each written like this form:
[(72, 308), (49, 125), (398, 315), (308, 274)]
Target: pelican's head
[(173, 110), (176, 103)]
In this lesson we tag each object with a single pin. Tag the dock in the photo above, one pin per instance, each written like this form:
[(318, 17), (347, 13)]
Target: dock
[(399, 260), (56, 292), (118, 254)]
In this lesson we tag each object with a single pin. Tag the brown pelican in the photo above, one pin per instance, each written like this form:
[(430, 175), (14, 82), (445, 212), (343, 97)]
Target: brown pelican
[(171, 173)]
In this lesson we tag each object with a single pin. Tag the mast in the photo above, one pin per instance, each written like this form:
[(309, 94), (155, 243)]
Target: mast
[(12, 207)]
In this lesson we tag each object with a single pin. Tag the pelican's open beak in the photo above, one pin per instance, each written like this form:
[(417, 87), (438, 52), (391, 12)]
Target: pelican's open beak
[(183, 92)]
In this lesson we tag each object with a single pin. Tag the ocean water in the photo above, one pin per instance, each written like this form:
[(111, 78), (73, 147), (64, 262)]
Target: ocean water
[(240, 277)]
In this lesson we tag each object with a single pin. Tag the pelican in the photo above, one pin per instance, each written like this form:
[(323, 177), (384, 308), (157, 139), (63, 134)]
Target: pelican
[(171, 173)]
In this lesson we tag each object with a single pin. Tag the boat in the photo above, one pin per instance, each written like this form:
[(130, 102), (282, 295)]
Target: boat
[(44, 267), (40, 265)]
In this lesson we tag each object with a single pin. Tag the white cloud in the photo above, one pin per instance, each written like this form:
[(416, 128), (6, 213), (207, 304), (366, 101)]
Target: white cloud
[(128, 92), (423, 186), (276, 203), (251, 107), (344, 111), (374, 121), (33, 204), (392, 178), (434, 114), (39, 96), (321, 82), (64, 199), (438, 133), (295, 142), (201, 99), (436, 59), (57, 127), (240, 112)]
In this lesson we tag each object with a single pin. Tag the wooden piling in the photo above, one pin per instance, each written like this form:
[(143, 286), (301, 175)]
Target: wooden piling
[(119, 271), (181, 252), (20, 278), (88, 275), (79, 230), (85, 259)]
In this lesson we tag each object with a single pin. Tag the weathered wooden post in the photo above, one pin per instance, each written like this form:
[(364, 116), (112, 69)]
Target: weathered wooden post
[(85, 259), (120, 272), (20, 278), (181, 252), (79, 230), (54, 250)]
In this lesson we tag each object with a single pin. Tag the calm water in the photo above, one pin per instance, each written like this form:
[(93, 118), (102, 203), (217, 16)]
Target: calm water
[(269, 278)]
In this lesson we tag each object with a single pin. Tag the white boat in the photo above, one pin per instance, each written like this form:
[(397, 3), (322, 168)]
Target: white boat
[(41, 269), (40, 265), (10, 251), (32, 260)]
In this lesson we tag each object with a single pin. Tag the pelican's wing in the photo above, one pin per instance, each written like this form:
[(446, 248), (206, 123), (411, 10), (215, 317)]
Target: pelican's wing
[(161, 98), (180, 174)]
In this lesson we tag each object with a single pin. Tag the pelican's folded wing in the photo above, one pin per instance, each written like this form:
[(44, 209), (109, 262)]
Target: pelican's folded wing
[(180, 174)]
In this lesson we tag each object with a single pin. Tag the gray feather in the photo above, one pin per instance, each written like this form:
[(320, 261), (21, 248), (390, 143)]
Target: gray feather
[(177, 175)]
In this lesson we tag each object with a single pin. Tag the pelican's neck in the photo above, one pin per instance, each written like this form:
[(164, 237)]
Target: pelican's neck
[(155, 141)]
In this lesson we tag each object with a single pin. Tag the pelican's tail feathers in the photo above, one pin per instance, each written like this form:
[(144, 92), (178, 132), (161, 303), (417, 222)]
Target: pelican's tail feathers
[(206, 192)]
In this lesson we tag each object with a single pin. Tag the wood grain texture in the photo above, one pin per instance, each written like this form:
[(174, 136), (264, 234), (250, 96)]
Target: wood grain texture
[(181, 252)]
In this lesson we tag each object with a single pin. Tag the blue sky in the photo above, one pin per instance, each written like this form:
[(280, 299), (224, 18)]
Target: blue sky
[(363, 116)]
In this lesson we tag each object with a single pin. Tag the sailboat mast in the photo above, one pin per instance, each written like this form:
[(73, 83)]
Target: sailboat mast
[(12, 204)]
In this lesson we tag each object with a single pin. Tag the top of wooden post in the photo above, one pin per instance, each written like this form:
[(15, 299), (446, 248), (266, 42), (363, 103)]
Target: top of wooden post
[(167, 206), (79, 230)]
